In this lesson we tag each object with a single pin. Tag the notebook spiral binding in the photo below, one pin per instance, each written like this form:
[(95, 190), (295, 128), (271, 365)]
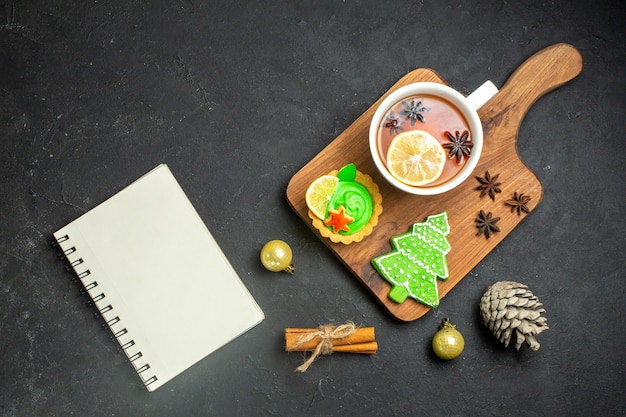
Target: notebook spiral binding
[(90, 286)]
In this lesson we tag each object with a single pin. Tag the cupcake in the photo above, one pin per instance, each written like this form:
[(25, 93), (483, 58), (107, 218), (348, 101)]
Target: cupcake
[(344, 205)]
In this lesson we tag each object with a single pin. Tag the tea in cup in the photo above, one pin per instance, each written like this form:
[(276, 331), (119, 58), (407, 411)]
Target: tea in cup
[(426, 138)]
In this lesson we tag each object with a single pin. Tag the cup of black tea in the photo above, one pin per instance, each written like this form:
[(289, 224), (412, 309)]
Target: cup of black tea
[(426, 138)]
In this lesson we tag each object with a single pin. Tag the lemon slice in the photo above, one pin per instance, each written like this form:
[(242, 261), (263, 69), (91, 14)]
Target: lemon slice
[(416, 158), (319, 193)]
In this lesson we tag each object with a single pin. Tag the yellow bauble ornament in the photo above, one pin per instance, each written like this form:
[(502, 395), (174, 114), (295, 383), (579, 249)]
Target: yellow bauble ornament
[(448, 342), (276, 256)]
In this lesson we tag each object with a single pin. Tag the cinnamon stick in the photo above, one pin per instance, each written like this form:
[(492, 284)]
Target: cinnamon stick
[(327, 339), (362, 340), (363, 348)]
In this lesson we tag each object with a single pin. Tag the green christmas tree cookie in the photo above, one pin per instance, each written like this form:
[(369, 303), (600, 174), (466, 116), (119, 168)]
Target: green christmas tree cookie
[(417, 261)]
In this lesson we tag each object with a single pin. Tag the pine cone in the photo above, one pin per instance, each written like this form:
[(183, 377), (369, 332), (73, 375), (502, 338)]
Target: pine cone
[(509, 308)]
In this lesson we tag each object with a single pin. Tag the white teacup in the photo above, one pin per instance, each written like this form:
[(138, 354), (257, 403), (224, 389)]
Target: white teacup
[(467, 106)]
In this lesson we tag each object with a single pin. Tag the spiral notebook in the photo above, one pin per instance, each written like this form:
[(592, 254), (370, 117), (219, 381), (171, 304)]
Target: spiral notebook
[(157, 277)]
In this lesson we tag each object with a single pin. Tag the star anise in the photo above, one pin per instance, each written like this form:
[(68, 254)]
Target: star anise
[(393, 124), (459, 145), (489, 185), (414, 111), (486, 224), (519, 202)]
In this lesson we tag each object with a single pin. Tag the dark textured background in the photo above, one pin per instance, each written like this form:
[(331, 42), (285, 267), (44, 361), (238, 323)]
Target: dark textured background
[(236, 97)]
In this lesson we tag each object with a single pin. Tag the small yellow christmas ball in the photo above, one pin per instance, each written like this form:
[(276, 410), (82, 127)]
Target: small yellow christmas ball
[(448, 342), (276, 256)]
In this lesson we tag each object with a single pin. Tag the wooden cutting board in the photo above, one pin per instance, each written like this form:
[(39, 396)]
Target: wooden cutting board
[(501, 117)]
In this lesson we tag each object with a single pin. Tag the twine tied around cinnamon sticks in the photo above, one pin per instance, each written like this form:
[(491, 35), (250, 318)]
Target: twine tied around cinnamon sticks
[(326, 339)]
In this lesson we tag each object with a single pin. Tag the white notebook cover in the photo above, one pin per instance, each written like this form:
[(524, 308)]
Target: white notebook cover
[(158, 277)]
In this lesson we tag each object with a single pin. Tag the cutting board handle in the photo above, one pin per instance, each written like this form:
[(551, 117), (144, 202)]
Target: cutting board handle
[(541, 73)]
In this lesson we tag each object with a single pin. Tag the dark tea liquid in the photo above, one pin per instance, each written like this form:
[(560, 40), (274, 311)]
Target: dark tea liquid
[(439, 116)]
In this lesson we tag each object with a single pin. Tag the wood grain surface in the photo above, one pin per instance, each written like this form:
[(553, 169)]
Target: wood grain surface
[(501, 117)]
